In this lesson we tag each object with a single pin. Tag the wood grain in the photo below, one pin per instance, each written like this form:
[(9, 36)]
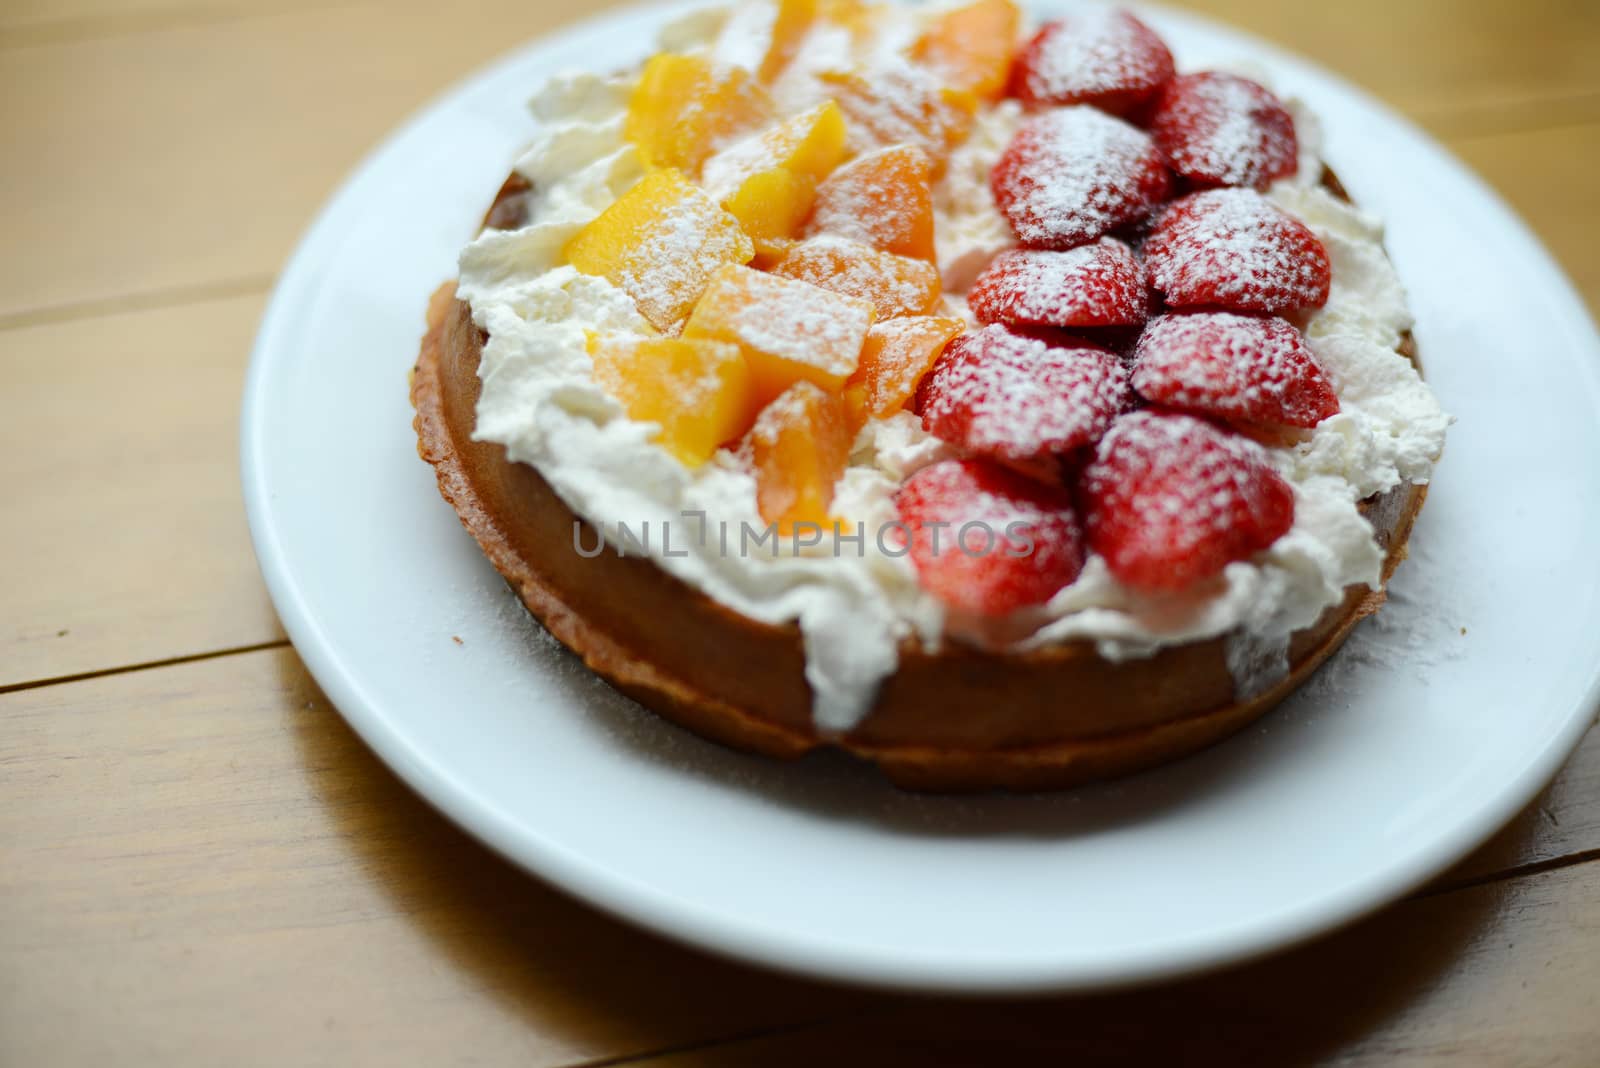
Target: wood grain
[(121, 434), (201, 864), (224, 136)]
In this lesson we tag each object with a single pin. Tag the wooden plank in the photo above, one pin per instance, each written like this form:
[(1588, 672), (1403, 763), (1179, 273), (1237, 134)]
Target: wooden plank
[(1502, 974), (202, 861), (125, 538), (222, 137), (201, 864)]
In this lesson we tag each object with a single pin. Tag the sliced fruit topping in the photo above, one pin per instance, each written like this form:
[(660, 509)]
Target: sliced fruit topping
[(893, 285), (799, 444), (686, 107), (1105, 58), (1093, 285), (1221, 129), (897, 354), (883, 199), (1073, 174), (1171, 500), (661, 241), (1236, 367), (970, 47), (769, 180), (698, 390), (1235, 249), (789, 331), (1021, 399), (987, 540), (902, 104), (790, 22)]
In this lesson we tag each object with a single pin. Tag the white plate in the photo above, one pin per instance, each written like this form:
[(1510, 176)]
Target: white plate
[(1437, 723)]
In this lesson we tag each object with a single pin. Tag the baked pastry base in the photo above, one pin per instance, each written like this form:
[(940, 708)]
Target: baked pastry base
[(957, 719)]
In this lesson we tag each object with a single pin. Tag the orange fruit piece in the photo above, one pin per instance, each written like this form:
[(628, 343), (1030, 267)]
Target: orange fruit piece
[(897, 354), (902, 105), (686, 107), (884, 199), (661, 241), (893, 285), (800, 444), (970, 47), (698, 390), (789, 331), (769, 180), (790, 24)]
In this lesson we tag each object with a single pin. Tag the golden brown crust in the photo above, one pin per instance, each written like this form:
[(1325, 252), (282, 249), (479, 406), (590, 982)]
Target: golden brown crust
[(956, 719)]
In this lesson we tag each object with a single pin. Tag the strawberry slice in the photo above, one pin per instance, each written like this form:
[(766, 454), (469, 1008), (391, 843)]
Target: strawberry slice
[(1220, 129), (1093, 285), (1236, 367), (1235, 249), (985, 539), (1020, 399), (1072, 174), (1105, 58), (1171, 500)]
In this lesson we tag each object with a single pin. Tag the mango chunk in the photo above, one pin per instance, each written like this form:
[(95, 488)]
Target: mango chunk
[(800, 444), (789, 28), (769, 180), (884, 199), (970, 47), (661, 242), (902, 105), (686, 107), (893, 285), (697, 390), (897, 354), (789, 331)]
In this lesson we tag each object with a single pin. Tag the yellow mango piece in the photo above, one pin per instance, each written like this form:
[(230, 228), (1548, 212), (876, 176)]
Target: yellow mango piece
[(769, 180), (884, 198), (897, 354), (698, 390), (789, 331), (661, 242), (971, 47), (686, 107), (800, 444), (772, 207), (789, 28), (893, 285)]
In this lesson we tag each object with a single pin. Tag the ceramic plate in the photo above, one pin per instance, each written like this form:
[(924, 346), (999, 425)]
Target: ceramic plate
[(1440, 719)]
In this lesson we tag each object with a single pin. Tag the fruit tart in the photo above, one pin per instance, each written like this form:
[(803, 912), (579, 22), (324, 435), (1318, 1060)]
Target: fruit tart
[(993, 401)]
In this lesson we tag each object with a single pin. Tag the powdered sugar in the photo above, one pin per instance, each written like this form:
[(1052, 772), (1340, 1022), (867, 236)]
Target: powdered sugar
[(1073, 174), (893, 285), (1092, 285), (1238, 367), (883, 199), (1016, 398), (1221, 129), (1235, 249), (1099, 56)]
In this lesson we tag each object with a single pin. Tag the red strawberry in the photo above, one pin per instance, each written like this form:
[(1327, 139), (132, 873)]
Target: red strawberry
[(1235, 249), (987, 540), (1106, 58), (1235, 367), (1220, 129), (1093, 285), (1171, 500), (1021, 399), (1072, 174)]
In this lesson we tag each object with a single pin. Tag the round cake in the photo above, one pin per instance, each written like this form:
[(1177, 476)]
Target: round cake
[(993, 402)]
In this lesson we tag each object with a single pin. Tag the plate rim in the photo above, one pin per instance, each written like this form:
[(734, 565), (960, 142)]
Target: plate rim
[(807, 955)]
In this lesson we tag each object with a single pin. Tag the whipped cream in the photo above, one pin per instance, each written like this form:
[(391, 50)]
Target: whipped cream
[(856, 602)]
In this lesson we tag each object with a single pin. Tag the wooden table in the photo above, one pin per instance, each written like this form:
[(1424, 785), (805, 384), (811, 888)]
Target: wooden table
[(199, 863)]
